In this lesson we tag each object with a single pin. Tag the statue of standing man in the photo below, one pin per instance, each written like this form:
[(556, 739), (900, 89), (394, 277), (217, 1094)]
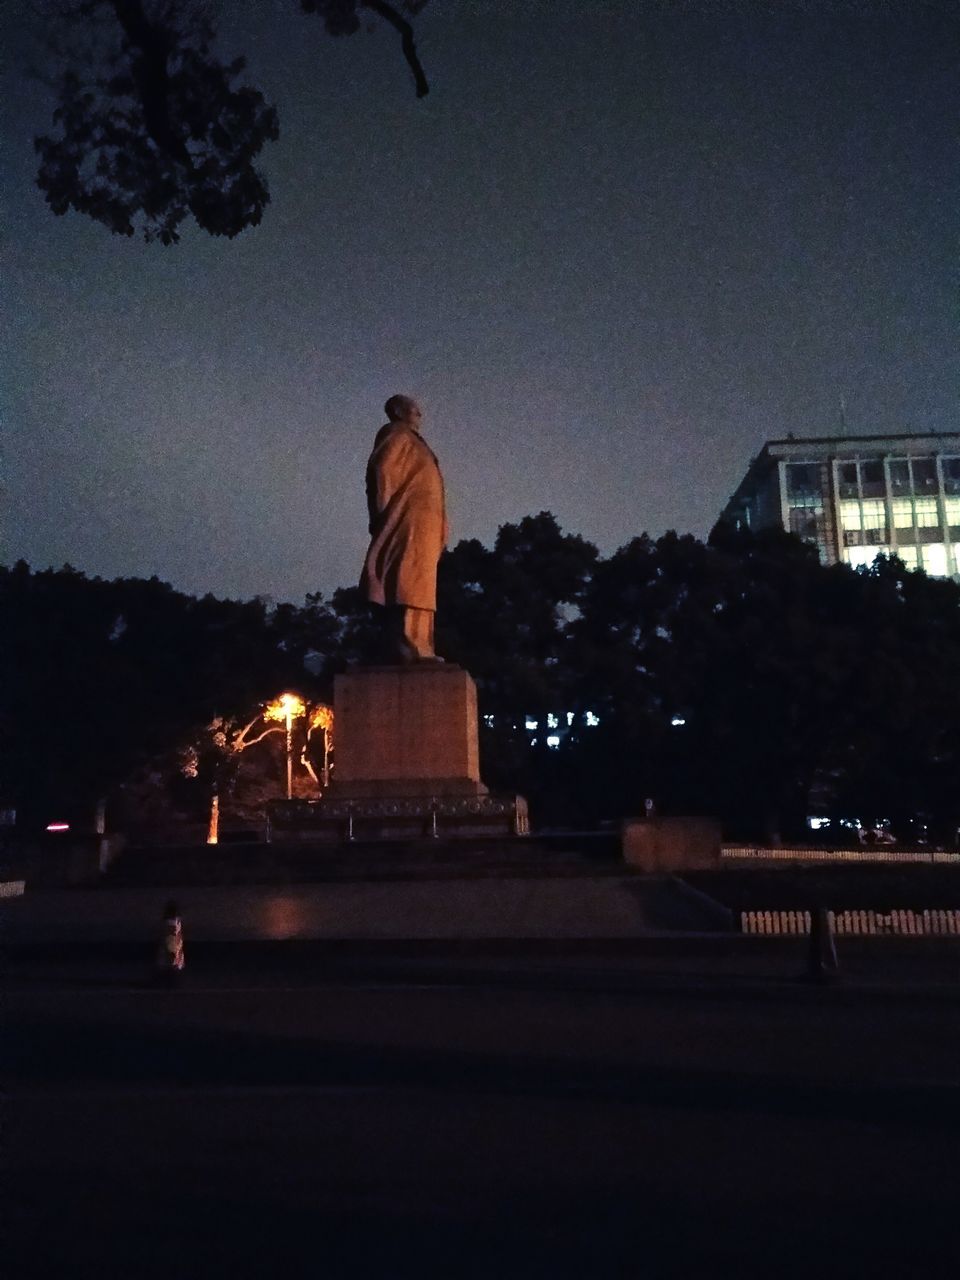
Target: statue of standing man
[(408, 531)]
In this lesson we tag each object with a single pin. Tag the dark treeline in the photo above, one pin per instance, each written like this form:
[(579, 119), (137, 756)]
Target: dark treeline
[(739, 678)]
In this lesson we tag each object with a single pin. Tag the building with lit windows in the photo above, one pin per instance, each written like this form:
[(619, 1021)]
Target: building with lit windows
[(856, 497)]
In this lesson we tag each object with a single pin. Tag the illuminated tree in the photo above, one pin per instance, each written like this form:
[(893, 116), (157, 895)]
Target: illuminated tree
[(152, 126), (217, 750)]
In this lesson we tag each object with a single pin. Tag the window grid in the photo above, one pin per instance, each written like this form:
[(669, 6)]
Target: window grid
[(926, 512), (903, 513), (917, 495), (874, 513)]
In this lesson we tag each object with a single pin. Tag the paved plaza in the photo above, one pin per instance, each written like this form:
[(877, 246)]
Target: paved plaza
[(507, 1115)]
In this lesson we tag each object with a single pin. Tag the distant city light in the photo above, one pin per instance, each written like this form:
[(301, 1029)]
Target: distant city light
[(677, 720), (553, 740), (817, 824), (570, 718), (532, 724), (488, 721), (552, 721), (590, 719), (58, 826)]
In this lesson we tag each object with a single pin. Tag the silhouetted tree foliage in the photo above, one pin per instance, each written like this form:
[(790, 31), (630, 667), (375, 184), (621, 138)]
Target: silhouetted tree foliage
[(503, 615), (740, 678), (152, 126), (97, 678), (747, 680)]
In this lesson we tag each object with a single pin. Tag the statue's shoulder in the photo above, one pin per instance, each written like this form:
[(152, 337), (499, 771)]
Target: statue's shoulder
[(384, 434), (395, 438)]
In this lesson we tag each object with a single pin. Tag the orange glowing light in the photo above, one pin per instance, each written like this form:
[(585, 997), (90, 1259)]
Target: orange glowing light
[(288, 705), (321, 717)]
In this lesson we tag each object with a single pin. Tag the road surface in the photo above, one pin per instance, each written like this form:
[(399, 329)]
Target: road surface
[(533, 1120)]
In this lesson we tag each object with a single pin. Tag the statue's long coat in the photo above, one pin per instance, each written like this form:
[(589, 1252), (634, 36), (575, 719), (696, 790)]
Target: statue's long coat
[(408, 525)]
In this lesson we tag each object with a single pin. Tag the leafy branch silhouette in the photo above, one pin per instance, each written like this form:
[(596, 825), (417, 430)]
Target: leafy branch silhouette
[(153, 127)]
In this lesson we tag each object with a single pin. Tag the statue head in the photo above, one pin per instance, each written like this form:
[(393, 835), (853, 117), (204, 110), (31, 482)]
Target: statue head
[(404, 409)]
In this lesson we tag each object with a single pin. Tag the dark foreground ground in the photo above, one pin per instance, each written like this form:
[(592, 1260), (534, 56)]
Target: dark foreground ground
[(507, 1115)]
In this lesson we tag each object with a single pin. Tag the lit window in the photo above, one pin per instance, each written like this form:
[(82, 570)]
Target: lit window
[(935, 559), (953, 510), (927, 515), (874, 514), (909, 556), (531, 724), (570, 717), (590, 719), (678, 720), (552, 721), (862, 557), (903, 513), (553, 740), (850, 515), (488, 721)]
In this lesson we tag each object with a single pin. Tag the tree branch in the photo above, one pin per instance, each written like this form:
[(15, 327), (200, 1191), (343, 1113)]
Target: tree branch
[(150, 49), (253, 741), (389, 14), (238, 742)]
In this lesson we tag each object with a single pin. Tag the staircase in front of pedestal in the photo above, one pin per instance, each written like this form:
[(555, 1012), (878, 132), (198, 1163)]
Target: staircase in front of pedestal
[(305, 863)]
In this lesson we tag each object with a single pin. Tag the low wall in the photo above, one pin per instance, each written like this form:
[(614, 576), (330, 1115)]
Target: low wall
[(904, 923), (53, 861), (861, 854), (666, 845)]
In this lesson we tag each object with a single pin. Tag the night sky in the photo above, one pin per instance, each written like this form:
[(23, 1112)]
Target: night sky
[(619, 246)]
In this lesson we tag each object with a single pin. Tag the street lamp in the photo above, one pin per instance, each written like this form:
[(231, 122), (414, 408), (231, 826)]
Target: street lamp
[(292, 706), (286, 709)]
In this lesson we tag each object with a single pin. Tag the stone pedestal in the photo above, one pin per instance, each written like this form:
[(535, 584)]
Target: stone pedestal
[(406, 731), (406, 764)]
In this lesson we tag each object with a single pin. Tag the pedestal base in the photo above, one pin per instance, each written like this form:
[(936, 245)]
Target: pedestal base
[(397, 818), (407, 763)]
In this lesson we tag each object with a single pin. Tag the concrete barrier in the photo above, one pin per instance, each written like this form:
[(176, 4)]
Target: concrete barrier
[(55, 861), (669, 845)]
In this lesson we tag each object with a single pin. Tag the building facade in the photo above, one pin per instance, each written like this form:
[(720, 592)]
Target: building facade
[(856, 497)]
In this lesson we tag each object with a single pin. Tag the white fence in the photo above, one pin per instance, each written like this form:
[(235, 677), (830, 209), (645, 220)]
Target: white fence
[(867, 854), (856, 923)]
